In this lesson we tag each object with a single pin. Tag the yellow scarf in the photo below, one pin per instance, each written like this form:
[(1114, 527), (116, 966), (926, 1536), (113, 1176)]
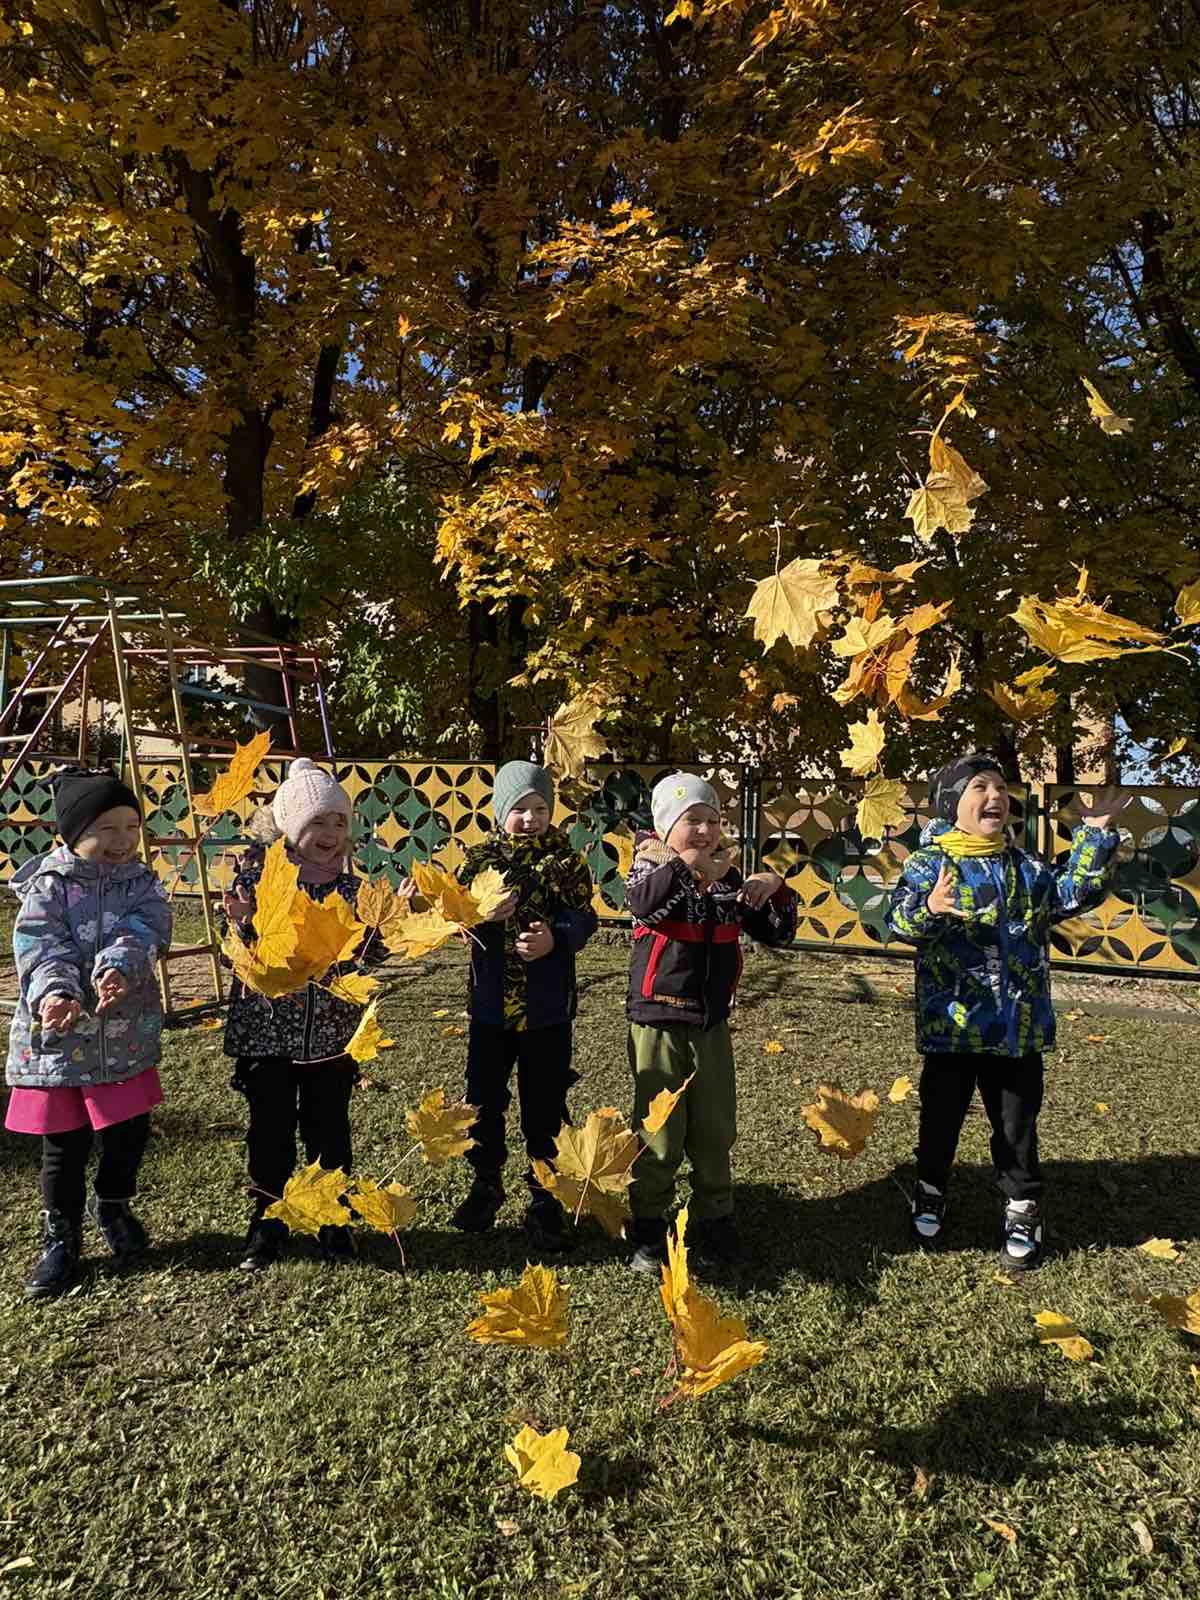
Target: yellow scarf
[(957, 844)]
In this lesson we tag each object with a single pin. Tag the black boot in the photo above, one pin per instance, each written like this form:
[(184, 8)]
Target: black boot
[(716, 1241), (546, 1227), (124, 1235), (336, 1245), (648, 1235), (58, 1265), (264, 1244), (478, 1211)]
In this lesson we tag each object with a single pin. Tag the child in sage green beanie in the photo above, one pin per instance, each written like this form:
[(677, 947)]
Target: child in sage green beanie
[(523, 996)]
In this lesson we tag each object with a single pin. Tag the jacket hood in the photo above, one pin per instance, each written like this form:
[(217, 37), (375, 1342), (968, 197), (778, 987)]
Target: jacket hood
[(934, 829), (64, 863)]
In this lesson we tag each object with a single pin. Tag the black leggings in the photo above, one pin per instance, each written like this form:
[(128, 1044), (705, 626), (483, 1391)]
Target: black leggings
[(65, 1157), (285, 1095)]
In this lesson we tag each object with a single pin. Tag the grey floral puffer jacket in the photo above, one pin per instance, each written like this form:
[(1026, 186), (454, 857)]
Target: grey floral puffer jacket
[(78, 919), (311, 1025)]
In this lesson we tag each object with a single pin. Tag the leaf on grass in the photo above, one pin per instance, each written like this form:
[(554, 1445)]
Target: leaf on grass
[(773, 1047), (1097, 1038), (1177, 1311), (388, 1208), (661, 1107), (593, 1165), (1055, 1329), (1195, 1372), (312, 1200), (900, 1090), (842, 1122), (441, 1127), (880, 808), (922, 1483), (1142, 1534), (1003, 1279), (355, 988), (543, 1463), (1102, 1108), (1104, 414), (236, 782), (711, 1349), (1160, 1249), (534, 1313), (368, 1038), (451, 1031), (1003, 1529), (571, 738), (790, 604)]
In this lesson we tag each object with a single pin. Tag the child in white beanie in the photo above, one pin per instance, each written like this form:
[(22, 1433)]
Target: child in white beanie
[(690, 906), (289, 1054)]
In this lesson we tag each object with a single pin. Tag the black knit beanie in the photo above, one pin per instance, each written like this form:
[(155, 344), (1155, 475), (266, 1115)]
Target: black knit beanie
[(80, 797), (947, 784)]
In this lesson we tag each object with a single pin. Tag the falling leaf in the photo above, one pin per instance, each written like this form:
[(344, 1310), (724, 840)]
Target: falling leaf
[(236, 782), (1142, 1534), (1160, 1249), (1102, 1108), (571, 738), (661, 1107), (442, 1127), (312, 1200), (1003, 1529), (789, 605), (880, 808), (389, 1208), (543, 1464), (1030, 696), (1104, 414), (593, 1165), (534, 1313), (368, 1038), (1187, 604), (900, 1090), (937, 504), (862, 637), (379, 906), (948, 464), (1178, 1312), (355, 988), (1074, 628), (711, 1349), (773, 1047), (1061, 1331), (866, 741), (842, 1122)]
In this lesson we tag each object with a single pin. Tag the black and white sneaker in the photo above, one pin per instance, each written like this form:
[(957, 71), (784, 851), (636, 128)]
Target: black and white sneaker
[(1022, 1249), (648, 1235), (928, 1215)]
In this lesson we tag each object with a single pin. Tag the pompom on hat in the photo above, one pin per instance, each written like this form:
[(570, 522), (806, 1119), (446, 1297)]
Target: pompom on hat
[(676, 793), (305, 793)]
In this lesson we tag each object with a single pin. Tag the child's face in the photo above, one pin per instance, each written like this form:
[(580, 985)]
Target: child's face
[(983, 806), (323, 841), (112, 839), (699, 828), (531, 814)]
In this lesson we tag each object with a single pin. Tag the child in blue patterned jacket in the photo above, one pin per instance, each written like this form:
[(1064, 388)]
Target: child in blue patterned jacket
[(83, 1050), (979, 911)]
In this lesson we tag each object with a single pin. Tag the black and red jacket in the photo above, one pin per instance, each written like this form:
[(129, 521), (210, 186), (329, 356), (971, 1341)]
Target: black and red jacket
[(687, 955)]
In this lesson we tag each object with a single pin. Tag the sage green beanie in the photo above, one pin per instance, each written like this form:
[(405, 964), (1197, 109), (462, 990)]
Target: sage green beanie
[(516, 779)]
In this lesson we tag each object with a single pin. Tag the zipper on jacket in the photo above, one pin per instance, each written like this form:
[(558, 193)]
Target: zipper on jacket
[(1006, 1010), (99, 947)]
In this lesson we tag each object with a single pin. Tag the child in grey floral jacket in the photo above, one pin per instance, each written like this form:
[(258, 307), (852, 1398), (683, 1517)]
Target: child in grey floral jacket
[(83, 1050)]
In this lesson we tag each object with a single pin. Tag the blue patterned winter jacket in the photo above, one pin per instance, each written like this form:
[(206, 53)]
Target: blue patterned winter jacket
[(983, 983), (77, 920)]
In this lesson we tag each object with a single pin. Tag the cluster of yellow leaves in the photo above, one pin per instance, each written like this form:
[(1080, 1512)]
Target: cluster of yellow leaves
[(710, 1348), (542, 1462), (317, 1197), (593, 1167), (533, 1314), (236, 782), (451, 911), (296, 939), (441, 1127), (1073, 628), (843, 1123), (571, 738)]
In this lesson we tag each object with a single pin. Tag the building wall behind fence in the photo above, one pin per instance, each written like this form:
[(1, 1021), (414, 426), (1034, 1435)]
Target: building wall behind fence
[(407, 811)]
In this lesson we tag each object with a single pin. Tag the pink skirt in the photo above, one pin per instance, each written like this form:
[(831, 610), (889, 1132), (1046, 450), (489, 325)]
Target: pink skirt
[(98, 1105)]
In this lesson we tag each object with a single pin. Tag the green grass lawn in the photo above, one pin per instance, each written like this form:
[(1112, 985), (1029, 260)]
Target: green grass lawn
[(182, 1430)]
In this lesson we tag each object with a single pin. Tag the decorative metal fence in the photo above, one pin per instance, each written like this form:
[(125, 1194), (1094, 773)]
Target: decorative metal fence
[(406, 811)]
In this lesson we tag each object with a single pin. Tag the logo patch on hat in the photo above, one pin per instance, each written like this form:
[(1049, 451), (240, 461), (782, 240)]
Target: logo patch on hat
[(680, 791)]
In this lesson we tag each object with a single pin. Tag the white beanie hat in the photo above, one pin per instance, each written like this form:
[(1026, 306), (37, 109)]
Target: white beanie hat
[(677, 793), (304, 794)]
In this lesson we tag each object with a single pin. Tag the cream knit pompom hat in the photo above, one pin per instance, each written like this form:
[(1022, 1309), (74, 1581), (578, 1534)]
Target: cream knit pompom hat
[(305, 793)]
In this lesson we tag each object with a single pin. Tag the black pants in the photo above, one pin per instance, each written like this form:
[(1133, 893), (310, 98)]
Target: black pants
[(65, 1157), (1011, 1090), (542, 1057), (286, 1095)]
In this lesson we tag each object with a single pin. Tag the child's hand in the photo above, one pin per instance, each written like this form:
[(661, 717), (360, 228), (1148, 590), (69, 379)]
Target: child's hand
[(536, 941), (758, 889), (504, 911), (702, 864), (940, 900), (236, 908), (406, 888), (110, 987), (1107, 804), (58, 1014)]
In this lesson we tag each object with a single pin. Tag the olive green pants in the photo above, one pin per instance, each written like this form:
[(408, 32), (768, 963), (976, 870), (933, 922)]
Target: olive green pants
[(703, 1124)]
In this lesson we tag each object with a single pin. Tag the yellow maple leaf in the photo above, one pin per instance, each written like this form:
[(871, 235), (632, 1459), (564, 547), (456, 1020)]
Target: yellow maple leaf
[(1029, 698), (1178, 1311), (1187, 604), (368, 1039), (453, 910), (379, 906), (593, 1166), (328, 932), (543, 1463), (1074, 628), (862, 635), (1160, 1249), (489, 889), (661, 1107), (937, 504), (236, 782), (900, 1090), (441, 1127), (388, 1208), (842, 1122), (880, 808), (1060, 1331), (274, 922), (773, 1047), (949, 466), (312, 1200), (571, 738), (355, 988), (866, 742), (789, 605), (420, 934), (445, 894), (919, 710), (710, 1348), (1104, 414), (533, 1313)]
